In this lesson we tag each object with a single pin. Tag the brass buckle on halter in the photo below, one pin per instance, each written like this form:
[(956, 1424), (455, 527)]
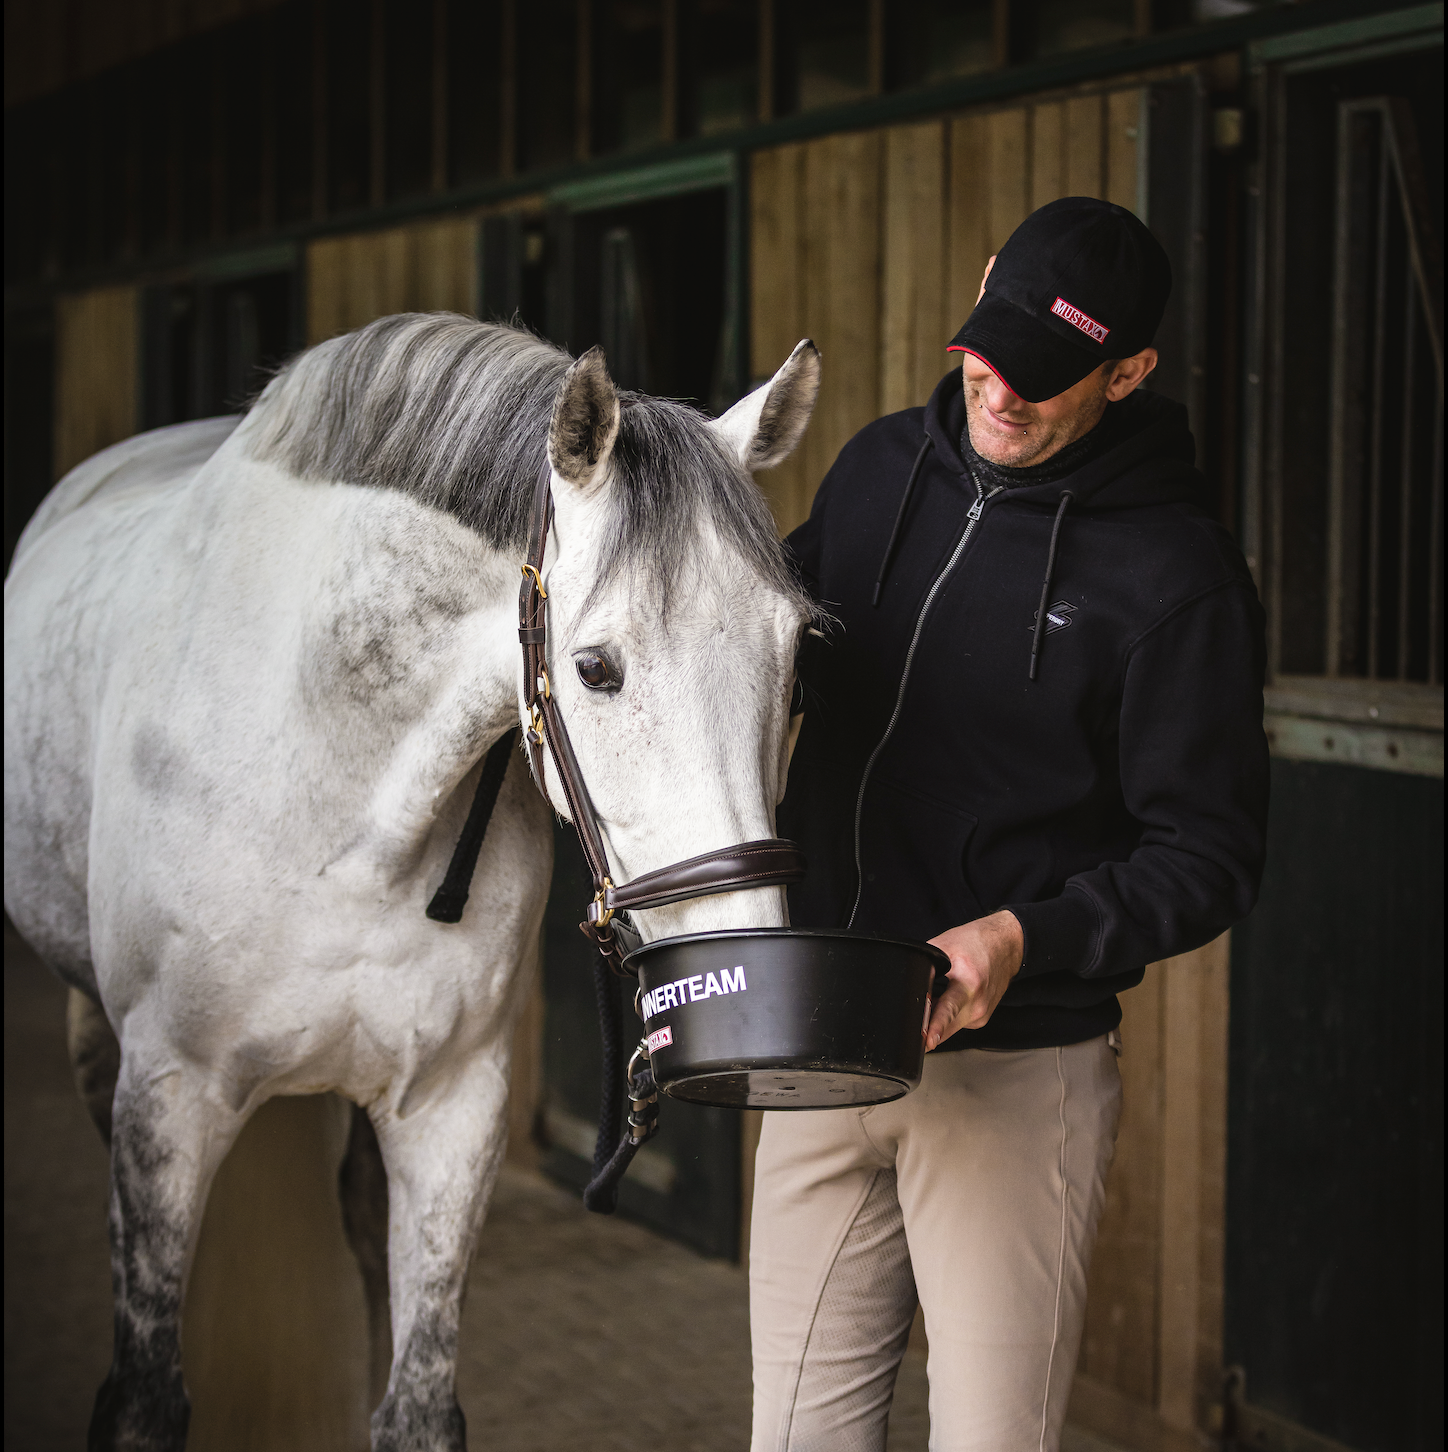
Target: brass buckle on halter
[(537, 579), (599, 915), (535, 724), (543, 683)]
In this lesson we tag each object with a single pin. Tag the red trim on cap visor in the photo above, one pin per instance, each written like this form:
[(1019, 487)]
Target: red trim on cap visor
[(956, 348)]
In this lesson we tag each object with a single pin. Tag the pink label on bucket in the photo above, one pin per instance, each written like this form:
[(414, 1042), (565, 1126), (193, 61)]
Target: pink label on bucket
[(660, 1038)]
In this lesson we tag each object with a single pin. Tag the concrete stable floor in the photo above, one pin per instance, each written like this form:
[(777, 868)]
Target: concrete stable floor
[(579, 1331)]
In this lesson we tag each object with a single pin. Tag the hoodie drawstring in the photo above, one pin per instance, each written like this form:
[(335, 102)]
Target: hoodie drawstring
[(899, 521), (1066, 497)]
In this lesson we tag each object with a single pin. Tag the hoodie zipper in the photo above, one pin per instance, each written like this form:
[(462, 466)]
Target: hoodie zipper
[(971, 520)]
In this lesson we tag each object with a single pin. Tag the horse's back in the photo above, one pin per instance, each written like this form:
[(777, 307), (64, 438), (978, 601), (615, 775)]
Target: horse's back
[(58, 596), (145, 462)]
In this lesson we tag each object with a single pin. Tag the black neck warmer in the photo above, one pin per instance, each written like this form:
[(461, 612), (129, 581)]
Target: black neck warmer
[(1111, 428)]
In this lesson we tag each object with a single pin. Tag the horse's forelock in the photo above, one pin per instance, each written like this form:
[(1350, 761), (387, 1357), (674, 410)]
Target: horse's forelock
[(669, 472)]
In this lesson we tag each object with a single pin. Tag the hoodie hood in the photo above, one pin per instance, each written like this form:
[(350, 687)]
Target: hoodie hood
[(1153, 461)]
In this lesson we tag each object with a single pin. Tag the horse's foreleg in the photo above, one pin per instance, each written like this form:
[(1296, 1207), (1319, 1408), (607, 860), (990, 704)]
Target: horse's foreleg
[(168, 1136), (442, 1160), (95, 1057), (362, 1186)]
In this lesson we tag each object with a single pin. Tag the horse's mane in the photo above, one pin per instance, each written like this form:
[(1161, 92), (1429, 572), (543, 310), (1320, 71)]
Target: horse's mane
[(455, 413)]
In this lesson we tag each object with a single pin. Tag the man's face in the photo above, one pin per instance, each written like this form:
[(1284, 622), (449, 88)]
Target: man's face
[(1007, 430)]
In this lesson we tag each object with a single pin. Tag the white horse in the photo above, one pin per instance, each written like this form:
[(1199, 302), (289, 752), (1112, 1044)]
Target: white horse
[(251, 672)]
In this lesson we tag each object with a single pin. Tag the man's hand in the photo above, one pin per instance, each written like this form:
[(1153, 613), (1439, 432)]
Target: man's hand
[(984, 956)]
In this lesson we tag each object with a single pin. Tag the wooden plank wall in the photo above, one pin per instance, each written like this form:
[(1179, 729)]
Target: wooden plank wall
[(274, 1332), (423, 267), (1150, 1372), (874, 244), (96, 368)]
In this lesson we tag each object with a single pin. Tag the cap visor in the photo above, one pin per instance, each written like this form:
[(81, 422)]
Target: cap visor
[(1026, 355)]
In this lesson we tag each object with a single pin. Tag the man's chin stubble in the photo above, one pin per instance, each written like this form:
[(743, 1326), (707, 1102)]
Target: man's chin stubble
[(1017, 457)]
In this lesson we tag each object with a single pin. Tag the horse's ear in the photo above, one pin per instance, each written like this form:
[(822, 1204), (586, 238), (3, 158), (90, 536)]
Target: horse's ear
[(585, 421), (764, 426)]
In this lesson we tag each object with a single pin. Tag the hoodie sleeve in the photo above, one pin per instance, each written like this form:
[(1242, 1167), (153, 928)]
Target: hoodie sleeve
[(1194, 774)]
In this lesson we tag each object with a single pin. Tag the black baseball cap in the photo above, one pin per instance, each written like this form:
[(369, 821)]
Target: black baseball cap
[(1079, 282)]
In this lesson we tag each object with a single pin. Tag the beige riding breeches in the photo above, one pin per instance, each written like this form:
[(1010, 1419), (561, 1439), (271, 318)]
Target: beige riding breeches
[(979, 1194)]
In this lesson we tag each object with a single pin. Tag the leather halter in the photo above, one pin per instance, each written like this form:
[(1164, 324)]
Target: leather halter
[(769, 862)]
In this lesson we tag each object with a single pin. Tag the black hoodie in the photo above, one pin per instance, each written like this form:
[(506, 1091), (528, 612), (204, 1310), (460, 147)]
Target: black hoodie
[(1116, 803)]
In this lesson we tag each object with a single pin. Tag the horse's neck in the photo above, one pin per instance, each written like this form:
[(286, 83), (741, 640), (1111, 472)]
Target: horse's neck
[(414, 659)]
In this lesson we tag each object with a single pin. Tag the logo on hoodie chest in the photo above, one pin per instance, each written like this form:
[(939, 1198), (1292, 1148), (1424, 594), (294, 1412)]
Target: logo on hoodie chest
[(1058, 617)]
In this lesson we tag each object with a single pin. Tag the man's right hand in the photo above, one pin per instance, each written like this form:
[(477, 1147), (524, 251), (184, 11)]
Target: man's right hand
[(984, 956)]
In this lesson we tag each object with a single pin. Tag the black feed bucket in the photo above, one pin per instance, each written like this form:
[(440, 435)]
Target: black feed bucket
[(785, 1018)]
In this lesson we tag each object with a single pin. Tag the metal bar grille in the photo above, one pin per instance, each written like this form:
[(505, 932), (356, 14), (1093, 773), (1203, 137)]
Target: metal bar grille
[(1385, 486)]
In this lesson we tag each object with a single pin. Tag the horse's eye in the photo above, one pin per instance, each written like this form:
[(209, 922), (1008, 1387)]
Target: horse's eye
[(596, 672)]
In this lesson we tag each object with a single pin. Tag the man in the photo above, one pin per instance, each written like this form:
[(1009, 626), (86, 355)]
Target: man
[(1033, 735)]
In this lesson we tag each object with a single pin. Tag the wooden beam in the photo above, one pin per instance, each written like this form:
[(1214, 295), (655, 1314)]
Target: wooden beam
[(1001, 34), (319, 110), (377, 105), (877, 47), (1120, 1346), (776, 300), (1180, 1195), (1008, 140), (274, 1331), (766, 60), (1193, 1149), (217, 122), (913, 335), (440, 99), (669, 72), (173, 178), (96, 355), (842, 226), (508, 91), (969, 215), (131, 234), (1124, 112), (1085, 147), (1216, 1013), (1048, 153), (267, 172), (583, 83)]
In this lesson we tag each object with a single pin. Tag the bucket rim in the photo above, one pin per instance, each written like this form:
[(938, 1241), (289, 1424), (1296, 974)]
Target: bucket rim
[(914, 945)]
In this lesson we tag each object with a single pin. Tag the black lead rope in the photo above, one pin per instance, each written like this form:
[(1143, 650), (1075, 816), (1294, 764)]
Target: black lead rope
[(449, 900), (1036, 638), (611, 1095), (601, 1194)]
